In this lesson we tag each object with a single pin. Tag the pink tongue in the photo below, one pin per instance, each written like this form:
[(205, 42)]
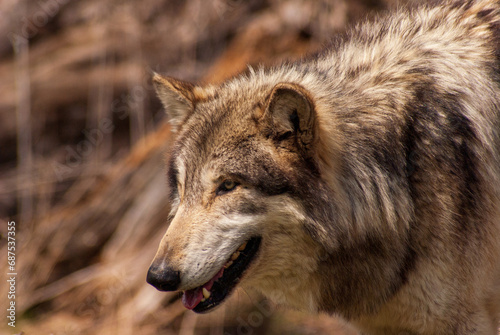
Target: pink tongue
[(191, 298)]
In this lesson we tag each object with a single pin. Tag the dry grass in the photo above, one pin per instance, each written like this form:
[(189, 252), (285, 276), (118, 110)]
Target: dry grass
[(82, 149)]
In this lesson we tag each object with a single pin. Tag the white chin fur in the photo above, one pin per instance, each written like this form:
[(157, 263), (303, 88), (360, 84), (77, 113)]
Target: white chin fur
[(212, 246)]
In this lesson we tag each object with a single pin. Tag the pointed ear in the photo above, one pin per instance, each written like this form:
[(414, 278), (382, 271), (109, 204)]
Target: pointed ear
[(290, 112), (177, 97)]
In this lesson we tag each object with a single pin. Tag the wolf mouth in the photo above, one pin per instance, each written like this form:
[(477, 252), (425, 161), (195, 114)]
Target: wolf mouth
[(211, 294)]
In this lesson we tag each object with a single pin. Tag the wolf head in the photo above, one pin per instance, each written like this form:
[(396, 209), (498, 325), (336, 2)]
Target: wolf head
[(240, 174)]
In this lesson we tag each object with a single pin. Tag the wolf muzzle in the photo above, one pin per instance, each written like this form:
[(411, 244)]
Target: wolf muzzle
[(163, 277)]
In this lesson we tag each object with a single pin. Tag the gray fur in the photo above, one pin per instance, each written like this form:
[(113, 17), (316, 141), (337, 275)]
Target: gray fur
[(379, 158)]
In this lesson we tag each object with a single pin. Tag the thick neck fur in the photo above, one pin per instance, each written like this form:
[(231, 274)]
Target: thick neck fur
[(370, 97)]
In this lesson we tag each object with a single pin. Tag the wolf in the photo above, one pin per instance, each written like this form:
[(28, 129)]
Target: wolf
[(362, 182)]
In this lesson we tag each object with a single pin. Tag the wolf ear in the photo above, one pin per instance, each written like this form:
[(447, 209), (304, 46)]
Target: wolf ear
[(290, 110), (177, 96)]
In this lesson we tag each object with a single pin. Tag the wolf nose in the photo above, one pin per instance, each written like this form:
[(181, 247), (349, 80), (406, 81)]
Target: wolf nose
[(164, 278)]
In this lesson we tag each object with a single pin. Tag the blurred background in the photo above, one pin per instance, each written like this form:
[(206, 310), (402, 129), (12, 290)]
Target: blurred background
[(83, 142)]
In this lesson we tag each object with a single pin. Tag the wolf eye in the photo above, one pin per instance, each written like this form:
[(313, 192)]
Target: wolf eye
[(226, 186)]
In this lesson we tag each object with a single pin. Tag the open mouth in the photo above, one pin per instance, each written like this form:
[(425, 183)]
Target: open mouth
[(209, 295)]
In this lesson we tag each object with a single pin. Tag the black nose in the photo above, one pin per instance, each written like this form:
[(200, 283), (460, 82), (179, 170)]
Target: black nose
[(163, 277)]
